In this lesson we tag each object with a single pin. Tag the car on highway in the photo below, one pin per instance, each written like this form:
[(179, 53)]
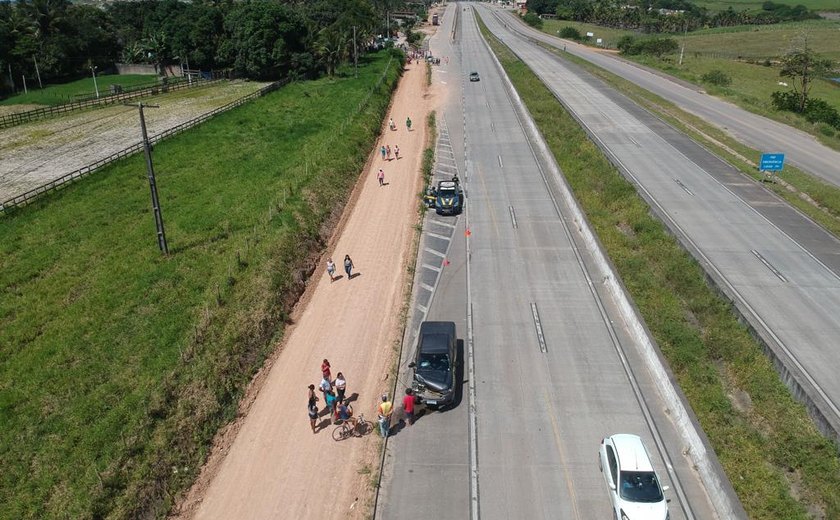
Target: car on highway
[(435, 362), (449, 198), (474, 76), (632, 483)]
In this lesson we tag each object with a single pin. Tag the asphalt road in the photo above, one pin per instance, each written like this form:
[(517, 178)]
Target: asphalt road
[(758, 132), (781, 269), (542, 400)]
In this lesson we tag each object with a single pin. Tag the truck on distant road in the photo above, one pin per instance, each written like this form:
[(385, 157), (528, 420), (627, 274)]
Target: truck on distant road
[(434, 19)]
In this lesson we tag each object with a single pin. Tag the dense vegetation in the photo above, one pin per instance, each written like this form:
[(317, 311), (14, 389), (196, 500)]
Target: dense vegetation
[(657, 16), (119, 364), (257, 39)]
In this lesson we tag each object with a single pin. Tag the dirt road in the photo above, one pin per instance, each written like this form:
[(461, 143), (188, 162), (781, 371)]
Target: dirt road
[(269, 464)]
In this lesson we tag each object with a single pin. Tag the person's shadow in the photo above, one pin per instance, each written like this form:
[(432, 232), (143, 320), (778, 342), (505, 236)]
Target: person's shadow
[(321, 425), (337, 277), (354, 275)]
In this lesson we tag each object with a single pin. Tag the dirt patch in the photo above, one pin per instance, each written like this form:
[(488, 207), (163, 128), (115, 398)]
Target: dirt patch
[(6, 110), (34, 154), (268, 463)]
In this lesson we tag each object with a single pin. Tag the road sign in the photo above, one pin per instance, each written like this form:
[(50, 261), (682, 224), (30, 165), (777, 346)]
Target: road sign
[(771, 162)]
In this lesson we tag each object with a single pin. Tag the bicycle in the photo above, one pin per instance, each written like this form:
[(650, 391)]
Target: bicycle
[(345, 431)]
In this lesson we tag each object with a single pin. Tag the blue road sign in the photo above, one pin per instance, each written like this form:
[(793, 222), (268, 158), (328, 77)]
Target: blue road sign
[(771, 162)]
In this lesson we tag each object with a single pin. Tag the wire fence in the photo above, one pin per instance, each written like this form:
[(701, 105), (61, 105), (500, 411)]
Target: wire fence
[(29, 196), (11, 120)]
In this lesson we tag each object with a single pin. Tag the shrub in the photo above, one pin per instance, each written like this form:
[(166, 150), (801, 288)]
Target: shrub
[(819, 111), (570, 33), (533, 20), (826, 130), (785, 100), (717, 77), (626, 44)]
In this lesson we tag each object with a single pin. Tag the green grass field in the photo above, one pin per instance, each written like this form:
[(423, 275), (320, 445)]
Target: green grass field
[(119, 364), (68, 92), (610, 36), (777, 461)]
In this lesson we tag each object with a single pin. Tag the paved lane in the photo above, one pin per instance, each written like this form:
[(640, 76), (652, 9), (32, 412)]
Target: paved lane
[(541, 408), (781, 269), (758, 132)]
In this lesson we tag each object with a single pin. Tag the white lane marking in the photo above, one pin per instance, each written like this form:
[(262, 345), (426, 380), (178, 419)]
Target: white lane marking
[(540, 337), (431, 267), (436, 253), (683, 186), (768, 265), (512, 216), (426, 286), (442, 237), (500, 162)]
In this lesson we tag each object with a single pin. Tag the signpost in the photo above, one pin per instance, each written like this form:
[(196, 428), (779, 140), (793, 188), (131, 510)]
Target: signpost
[(771, 162)]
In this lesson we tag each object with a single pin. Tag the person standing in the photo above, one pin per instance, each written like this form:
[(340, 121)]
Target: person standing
[(388, 149), (325, 387), (340, 386), (391, 124), (397, 152), (348, 264), (312, 393), (408, 123), (382, 151), (408, 406), (331, 269), (386, 408), (313, 411), (381, 177), (325, 369), (329, 400)]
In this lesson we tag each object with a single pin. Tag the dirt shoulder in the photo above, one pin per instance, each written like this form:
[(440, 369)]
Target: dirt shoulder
[(268, 463)]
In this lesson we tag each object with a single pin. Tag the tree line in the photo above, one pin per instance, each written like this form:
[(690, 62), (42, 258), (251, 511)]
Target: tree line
[(658, 16), (258, 39)]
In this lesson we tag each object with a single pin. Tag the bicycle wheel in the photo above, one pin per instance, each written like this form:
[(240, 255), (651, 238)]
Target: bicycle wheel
[(364, 427), (341, 432)]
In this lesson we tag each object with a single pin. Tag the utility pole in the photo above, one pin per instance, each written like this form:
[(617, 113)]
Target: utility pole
[(685, 34), (11, 80), (37, 72), (161, 234), (355, 58), (24, 84), (93, 73)]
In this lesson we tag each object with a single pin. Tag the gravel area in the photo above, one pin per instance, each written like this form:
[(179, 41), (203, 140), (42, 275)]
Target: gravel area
[(34, 154)]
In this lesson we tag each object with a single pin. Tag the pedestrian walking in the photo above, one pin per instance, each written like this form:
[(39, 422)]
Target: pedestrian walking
[(382, 151), (312, 393), (340, 386), (381, 177), (312, 409), (331, 269), (348, 265), (408, 123), (325, 369), (386, 408), (397, 152), (330, 400), (388, 149), (408, 406), (391, 124)]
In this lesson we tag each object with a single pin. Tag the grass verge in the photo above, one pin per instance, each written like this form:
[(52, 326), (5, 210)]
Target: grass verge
[(779, 464), (119, 364)]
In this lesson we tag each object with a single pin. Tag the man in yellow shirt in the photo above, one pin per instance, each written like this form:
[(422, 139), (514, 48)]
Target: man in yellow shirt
[(386, 408)]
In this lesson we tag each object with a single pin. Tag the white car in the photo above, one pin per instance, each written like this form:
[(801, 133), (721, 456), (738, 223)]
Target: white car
[(631, 481)]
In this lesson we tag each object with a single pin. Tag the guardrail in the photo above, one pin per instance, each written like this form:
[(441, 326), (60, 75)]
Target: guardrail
[(11, 120), (27, 197)]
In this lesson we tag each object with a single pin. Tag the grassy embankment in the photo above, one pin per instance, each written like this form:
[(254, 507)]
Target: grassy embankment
[(740, 5), (119, 364), (779, 464), (729, 50), (68, 92)]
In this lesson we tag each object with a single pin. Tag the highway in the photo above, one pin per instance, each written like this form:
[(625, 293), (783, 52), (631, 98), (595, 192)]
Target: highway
[(760, 133), (781, 269), (556, 361)]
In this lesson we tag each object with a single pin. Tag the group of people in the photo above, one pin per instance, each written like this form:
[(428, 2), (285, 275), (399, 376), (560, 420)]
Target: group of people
[(335, 398), (385, 150), (348, 268), (393, 126), (386, 411)]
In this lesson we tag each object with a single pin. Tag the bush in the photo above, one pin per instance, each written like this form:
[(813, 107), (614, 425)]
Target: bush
[(533, 20), (785, 100), (827, 130), (569, 33), (626, 43), (819, 111), (717, 77)]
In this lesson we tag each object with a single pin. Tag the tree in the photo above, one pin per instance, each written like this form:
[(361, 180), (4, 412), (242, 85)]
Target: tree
[(802, 66)]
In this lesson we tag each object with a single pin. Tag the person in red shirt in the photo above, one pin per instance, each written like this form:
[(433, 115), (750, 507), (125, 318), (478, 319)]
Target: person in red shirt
[(408, 406), (325, 369)]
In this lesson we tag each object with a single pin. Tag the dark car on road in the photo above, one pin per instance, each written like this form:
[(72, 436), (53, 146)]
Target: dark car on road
[(435, 362), (449, 199)]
